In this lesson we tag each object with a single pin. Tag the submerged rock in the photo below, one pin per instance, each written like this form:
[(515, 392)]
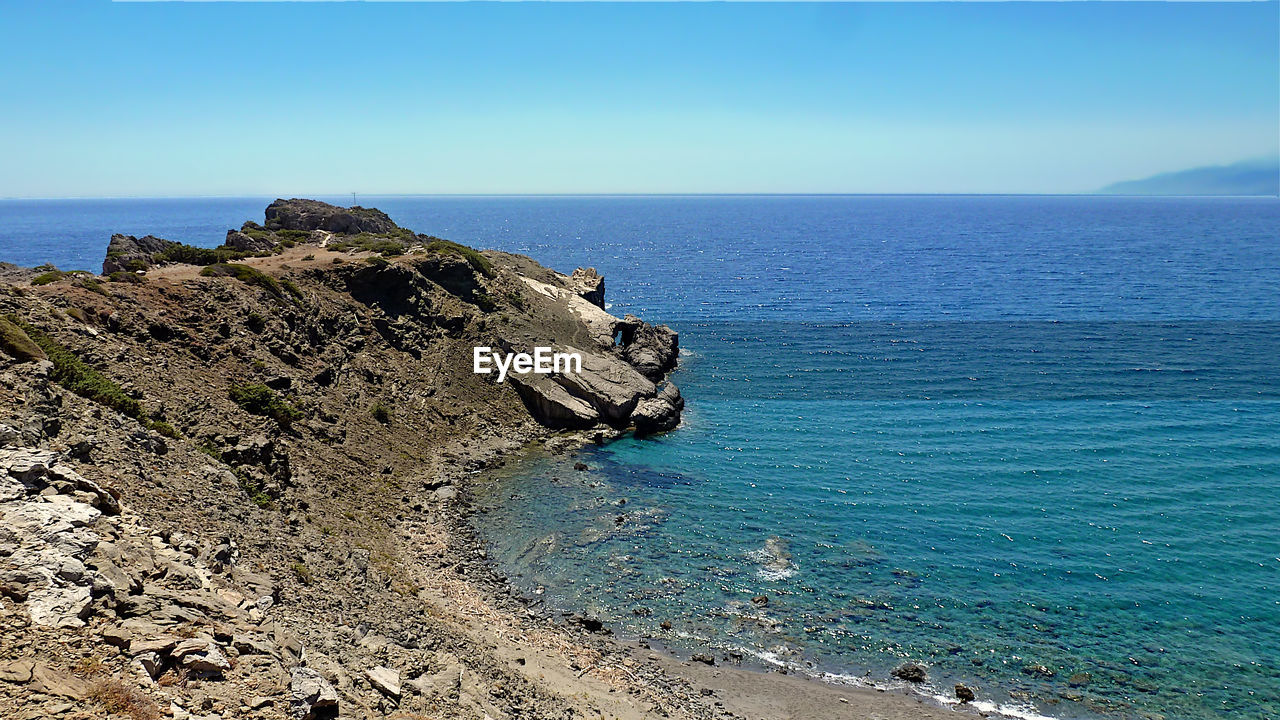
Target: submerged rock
[(911, 672)]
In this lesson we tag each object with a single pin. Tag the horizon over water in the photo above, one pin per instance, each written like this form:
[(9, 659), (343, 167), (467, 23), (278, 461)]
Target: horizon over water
[(1032, 442)]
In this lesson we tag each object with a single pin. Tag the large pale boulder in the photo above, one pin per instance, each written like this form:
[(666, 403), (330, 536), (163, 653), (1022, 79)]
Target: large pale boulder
[(311, 697), (611, 386)]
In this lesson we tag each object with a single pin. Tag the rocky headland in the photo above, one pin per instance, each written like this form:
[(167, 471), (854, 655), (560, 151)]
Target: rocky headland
[(233, 484)]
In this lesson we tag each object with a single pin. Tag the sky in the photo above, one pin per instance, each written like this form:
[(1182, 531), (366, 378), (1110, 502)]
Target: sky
[(108, 99)]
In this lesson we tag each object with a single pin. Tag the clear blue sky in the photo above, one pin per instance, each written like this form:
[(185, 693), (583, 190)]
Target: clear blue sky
[(105, 99)]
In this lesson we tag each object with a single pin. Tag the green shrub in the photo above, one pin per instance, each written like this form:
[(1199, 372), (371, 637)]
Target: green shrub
[(48, 277), (17, 343), (92, 285), (246, 275), (253, 489), (295, 236), (255, 322), (261, 400), (390, 244), (164, 429), (73, 374), (479, 262), (291, 288), (191, 255), (124, 276), (303, 573), (381, 413)]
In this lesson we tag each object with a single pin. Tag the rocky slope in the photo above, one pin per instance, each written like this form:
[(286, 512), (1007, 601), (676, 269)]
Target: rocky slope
[(232, 480)]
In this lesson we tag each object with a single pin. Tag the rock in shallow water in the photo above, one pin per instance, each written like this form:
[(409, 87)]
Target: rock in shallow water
[(911, 672)]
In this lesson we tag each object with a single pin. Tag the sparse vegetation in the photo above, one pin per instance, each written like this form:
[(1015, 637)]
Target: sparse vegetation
[(253, 489), (246, 275), (117, 698), (191, 255), (291, 288), (16, 343), (164, 429), (295, 236), (92, 285), (125, 276), (381, 413), (73, 374), (477, 261), (261, 400), (303, 573), (255, 322), (395, 242)]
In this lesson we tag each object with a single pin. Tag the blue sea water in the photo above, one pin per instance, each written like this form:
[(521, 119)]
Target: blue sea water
[(1032, 442)]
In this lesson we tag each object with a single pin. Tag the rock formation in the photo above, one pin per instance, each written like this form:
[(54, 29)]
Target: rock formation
[(129, 253), (237, 493), (299, 214)]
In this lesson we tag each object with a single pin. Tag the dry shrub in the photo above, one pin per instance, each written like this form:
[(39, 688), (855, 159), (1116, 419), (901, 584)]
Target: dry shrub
[(118, 698)]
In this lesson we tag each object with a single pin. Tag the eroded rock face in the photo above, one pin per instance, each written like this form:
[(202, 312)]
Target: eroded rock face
[(589, 285), (297, 214), (241, 241), (45, 539), (651, 349), (659, 414), (607, 390), (129, 253)]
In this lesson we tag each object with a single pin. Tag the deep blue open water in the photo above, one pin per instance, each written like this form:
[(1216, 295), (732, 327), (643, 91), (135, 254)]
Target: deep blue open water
[(1031, 442)]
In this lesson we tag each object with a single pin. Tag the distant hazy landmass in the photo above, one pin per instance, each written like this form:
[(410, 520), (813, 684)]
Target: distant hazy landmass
[(1251, 177)]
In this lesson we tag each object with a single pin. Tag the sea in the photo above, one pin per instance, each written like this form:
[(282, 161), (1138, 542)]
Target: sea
[(1030, 442)]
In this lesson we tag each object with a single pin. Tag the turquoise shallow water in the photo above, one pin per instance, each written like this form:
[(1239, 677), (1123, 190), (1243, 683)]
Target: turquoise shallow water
[(984, 433)]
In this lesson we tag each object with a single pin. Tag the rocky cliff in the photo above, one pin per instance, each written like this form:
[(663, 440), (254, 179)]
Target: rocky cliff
[(232, 479)]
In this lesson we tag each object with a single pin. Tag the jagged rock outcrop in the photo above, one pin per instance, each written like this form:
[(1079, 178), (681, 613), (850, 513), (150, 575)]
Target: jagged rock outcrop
[(299, 214), (129, 253), (651, 349), (589, 285), (660, 413), (240, 240)]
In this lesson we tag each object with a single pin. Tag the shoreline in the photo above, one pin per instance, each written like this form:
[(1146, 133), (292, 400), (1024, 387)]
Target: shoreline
[(748, 689)]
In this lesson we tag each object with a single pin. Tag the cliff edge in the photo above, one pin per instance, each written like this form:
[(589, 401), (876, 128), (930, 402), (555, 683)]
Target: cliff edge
[(232, 479)]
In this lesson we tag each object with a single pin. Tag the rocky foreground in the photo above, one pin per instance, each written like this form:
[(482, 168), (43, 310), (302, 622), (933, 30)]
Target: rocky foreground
[(231, 479)]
